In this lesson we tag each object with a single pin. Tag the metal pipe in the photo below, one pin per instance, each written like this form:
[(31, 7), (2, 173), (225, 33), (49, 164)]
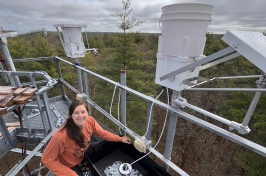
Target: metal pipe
[(251, 108), (149, 120), (123, 103), (86, 88), (260, 84), (60, 76), (79, 75), (19, 150), (237, 77), (60, 37), (170, 138), (33, 59), (48, 110), (221, 78), (230, 89), (224, 59), (18, 33), (9, 63), (213, 116), (171, 131), (168, 162)]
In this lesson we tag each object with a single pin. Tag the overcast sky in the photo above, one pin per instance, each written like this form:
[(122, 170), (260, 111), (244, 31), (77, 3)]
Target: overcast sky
[(98, 15)]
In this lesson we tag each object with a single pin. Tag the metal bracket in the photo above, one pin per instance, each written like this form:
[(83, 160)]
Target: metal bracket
[(60, 119), (189, 81), (240, 129)]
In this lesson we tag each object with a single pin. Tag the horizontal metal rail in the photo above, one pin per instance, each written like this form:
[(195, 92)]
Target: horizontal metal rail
[(33, 59), (168, 162), (18, 33), (19, 150), (221, 78), (230, 89)]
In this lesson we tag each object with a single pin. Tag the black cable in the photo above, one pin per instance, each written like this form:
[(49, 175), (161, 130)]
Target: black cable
[(18, 112)]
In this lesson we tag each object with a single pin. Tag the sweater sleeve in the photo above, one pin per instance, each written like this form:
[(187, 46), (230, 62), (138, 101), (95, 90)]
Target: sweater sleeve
[(50, 158), (106, 135)]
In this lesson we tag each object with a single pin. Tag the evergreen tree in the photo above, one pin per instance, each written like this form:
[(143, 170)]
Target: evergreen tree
[(126, 23)]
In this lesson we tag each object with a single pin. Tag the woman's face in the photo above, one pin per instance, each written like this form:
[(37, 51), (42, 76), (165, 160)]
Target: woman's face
[(80, 115)]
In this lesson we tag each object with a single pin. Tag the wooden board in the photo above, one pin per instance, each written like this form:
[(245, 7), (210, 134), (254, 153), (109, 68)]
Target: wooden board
[(4, 90), (21, 99), (6, 100), (14, 124), (3, 111), (30, 91), (10, 95), (19, 90)]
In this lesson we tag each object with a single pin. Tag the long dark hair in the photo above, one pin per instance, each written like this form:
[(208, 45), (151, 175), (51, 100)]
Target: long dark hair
[(73, 131)]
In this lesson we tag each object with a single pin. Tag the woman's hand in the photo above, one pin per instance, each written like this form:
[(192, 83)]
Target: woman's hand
[(126, 140)]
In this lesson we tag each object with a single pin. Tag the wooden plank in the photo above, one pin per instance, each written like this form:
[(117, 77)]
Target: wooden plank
[(6, 100), (19, 90), (30, 91), (14, 124), (10, 95), (21, 99), (3, 111), (5, 90)]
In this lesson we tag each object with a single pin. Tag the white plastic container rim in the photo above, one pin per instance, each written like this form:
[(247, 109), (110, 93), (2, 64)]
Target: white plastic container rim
[(187, 7), (186, 16)]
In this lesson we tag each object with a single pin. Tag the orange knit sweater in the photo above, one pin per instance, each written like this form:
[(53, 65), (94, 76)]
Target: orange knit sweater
[(62, 152)]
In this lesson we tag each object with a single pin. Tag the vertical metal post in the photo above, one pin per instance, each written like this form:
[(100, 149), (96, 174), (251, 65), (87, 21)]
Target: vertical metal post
[(11, 79), (170, 138), (260, 84), (86, 88), (8, 59), (123, 99), (44, 121), (149, 120), (27, 121), (251, 109), (5, 133), (4, 77), (171, 132), (48, 110), (60, 76), (79, 75), (39, 103)]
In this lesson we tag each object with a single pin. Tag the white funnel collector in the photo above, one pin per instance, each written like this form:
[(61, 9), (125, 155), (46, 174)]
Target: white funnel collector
[(182, 41), (184, 28)]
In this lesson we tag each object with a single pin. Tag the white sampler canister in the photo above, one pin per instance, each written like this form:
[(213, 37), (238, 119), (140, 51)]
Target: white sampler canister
[(184, 28)]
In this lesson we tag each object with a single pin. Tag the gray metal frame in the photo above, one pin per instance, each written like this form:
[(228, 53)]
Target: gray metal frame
[(175, 111), (217, 130)]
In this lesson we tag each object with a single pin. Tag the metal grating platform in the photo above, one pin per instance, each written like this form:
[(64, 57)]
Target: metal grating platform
[(34, 118)]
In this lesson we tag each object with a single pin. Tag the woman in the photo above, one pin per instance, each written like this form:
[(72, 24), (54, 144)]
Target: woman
[(66, 148)]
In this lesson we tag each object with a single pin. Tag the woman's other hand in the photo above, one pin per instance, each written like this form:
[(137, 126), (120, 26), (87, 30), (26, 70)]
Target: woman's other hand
[(126, 140)]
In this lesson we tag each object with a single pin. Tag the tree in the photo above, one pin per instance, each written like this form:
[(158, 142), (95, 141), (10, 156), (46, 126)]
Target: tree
[(125, 24)]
